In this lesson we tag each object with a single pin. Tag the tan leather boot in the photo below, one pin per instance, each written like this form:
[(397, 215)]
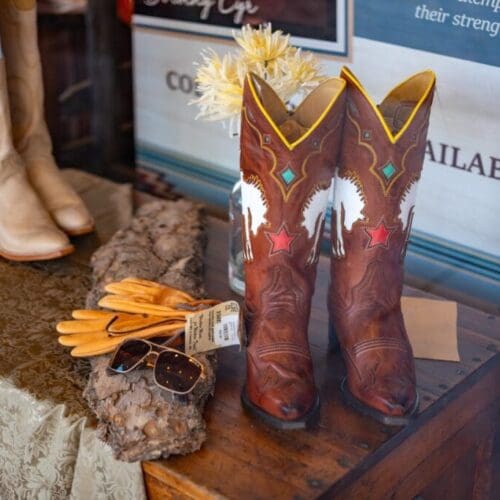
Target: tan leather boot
[(27, 231), (31, 138), (287, 163)]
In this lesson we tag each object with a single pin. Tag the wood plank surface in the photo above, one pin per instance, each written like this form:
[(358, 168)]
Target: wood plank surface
[(347, 454)]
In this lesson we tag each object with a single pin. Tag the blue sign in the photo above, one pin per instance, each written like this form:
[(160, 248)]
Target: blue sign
[(466, 29)]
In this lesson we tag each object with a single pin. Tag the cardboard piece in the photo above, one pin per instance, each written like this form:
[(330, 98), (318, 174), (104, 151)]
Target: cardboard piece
[(432, 328)]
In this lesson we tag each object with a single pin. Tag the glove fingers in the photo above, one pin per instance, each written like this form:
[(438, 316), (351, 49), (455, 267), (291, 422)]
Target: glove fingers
[(146, 294), (167, 329), (90, 314), (135, 322), (153, 309), (112, 322), (143, 283), (146, 285), (173, 300), (152, 287), (142, 291), (101, 337), (81, 338), (109, 344), (81, 352), (131, 290), (83, 325), (124, 300), (117, 302), (126, 305)]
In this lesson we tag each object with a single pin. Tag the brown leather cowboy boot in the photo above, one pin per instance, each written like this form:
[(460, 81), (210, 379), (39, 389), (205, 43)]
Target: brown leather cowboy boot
[(374, 199), (287, 165)]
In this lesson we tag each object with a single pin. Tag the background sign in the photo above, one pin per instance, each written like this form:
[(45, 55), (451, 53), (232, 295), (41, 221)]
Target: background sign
[(465, 29), (320, 25), (456, 218)]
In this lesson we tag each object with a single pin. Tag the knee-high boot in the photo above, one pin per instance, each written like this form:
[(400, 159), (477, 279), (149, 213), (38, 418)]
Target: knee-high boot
[(26, 230), (18, 31), (374, 199), (287, 164)]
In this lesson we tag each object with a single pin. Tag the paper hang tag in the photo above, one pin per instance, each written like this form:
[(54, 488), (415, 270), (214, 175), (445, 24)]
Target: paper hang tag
[(213, 328)]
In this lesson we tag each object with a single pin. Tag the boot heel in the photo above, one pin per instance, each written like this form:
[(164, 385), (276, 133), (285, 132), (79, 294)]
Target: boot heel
[(333, 340)]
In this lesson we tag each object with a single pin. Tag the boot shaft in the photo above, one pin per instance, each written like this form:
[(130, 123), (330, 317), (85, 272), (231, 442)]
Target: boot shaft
[(287, 164), (6, 145), (18, 32), (376, 182), (10, 162)]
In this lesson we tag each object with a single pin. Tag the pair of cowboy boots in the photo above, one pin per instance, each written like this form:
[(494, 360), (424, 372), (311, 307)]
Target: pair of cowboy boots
[(373, 155), (38, 209)]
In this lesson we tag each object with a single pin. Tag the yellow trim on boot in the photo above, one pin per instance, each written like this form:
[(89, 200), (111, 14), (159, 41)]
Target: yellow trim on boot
[(293, 145), (347, 73)]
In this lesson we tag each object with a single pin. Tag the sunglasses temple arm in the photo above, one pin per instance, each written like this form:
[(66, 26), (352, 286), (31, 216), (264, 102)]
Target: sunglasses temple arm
[(172, 339)]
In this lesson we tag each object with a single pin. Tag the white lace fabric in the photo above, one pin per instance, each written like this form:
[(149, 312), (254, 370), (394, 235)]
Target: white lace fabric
[(49, 447)]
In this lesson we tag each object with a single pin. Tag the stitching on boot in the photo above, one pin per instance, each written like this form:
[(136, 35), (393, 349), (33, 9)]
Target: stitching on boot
[(282, 348), (381, 343)]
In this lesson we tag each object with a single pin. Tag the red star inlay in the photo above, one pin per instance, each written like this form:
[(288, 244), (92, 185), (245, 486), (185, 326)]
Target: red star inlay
[(379, 235), (281, 241)]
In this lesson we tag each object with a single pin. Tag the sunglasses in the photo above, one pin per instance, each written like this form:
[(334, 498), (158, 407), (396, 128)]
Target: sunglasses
[(174, 370)]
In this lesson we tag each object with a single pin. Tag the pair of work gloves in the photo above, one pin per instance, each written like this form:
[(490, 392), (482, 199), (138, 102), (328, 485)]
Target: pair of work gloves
[(137, 309)]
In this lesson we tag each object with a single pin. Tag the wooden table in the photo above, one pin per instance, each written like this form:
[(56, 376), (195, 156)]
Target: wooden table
[(451, 451)]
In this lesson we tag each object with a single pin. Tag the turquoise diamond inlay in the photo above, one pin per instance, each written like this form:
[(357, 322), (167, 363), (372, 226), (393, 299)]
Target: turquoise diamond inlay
[(288, 176), (389, 170)]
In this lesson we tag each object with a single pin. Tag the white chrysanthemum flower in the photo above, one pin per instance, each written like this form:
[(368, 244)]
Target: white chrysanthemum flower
[(303, 67), (300, 70), (220, 81), (261, 45)]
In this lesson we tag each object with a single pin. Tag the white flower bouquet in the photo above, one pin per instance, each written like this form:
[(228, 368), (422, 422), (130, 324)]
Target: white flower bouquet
[(220, 80)]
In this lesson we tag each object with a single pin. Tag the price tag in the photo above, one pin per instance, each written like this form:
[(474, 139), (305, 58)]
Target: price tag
[(213, 328)]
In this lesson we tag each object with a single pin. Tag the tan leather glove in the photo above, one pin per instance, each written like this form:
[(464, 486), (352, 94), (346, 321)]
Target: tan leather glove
[(145, 309), (134, 295), (98, 332)]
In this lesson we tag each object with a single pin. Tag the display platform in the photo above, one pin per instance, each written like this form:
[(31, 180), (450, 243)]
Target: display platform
[(451, 451), (448, 452)]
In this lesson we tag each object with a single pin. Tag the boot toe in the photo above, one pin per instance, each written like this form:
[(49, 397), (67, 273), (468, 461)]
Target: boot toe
[(41, 244), (392, 396), (73, 219), (289, 402), (48, 241)]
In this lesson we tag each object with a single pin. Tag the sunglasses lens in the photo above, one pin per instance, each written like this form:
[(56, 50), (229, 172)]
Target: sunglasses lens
[(177, 372), (128, 355)]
